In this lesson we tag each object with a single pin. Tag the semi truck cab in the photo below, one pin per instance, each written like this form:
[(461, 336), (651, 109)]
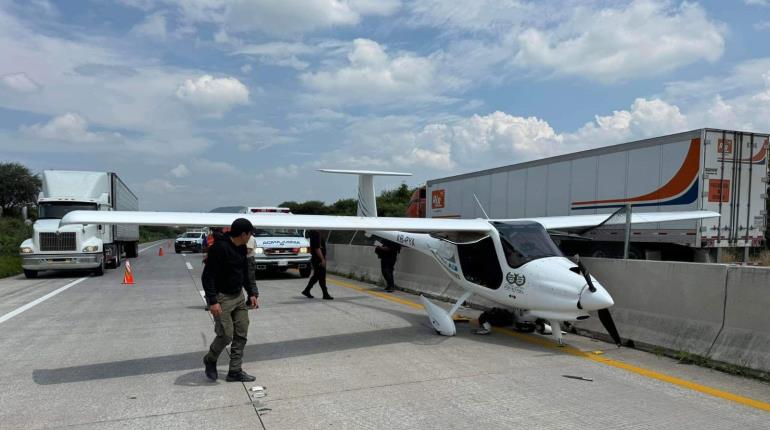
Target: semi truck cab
[(77, 247)]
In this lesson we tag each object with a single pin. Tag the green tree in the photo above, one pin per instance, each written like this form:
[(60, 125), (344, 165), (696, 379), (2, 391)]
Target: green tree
[(389, 203), (18, 187)]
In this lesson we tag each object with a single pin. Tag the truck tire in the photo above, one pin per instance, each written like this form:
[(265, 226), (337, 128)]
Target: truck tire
[(99, 271), (131, 249), (305, 272), (30, 274)]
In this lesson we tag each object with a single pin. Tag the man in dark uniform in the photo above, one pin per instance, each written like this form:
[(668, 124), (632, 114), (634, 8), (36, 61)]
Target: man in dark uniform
[(387, 252), (225, 276), (318, 261)]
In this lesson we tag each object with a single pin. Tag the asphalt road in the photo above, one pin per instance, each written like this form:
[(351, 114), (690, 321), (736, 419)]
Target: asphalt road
[(98, 354)]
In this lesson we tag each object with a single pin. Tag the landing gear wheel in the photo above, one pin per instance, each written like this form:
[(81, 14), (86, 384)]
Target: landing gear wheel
[(30, 274)]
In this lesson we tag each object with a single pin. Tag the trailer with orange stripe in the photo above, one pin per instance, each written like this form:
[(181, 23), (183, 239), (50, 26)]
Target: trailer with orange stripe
[(724, 171)]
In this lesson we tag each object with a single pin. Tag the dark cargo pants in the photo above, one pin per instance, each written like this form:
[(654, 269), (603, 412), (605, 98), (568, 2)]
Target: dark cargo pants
[(231, 326)]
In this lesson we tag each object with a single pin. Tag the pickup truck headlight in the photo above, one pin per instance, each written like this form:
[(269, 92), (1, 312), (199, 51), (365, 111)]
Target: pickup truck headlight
[(91, 248), (25, 250), (303, 250), (259, 250)]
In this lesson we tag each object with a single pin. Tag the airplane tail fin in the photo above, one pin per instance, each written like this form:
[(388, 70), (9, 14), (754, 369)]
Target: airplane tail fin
[(367, 199)]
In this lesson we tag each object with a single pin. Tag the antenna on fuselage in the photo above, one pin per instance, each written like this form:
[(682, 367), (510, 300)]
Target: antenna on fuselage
[(480, 207)]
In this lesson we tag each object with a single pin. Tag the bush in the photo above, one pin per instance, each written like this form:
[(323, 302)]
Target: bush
[(13, 231)]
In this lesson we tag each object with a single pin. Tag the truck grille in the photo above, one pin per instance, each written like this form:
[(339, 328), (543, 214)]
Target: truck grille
[(57, 242), (281, 251)]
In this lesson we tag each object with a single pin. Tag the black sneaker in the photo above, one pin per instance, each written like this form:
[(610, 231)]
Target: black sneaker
[(307, 294), (327, 297), (240, 377), (211, 370), (389, 290)]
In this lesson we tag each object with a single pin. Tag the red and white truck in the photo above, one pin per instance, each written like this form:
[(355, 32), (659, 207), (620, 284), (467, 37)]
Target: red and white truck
[(725, 171)]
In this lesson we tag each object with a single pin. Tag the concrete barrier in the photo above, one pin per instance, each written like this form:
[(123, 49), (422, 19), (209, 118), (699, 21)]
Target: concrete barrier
[(712, 310), (745, 338), (678, 306)]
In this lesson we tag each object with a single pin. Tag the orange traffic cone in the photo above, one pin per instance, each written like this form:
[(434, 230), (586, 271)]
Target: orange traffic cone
[(128, 276), (160, 251)]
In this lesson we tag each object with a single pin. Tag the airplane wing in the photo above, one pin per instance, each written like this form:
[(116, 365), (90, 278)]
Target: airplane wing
[(328, 222), (578, 221), (318, 222)]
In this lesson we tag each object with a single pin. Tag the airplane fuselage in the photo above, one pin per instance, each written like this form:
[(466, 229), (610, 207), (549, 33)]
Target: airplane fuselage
[(547, 287)]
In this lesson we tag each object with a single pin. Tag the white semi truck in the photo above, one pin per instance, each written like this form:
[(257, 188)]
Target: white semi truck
[(90, 246), (723, 171)]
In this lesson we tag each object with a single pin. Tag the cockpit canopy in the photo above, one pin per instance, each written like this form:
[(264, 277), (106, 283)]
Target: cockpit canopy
[(524, 241)]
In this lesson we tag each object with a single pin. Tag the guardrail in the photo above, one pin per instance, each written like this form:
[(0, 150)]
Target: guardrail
[(715, 311)]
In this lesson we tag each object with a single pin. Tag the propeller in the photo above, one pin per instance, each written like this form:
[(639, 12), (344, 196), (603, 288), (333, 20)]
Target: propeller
[(606, 318), (604, 314)]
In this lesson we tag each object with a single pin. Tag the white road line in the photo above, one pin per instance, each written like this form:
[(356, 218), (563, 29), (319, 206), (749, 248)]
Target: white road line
[(29, 305), (151, 246), (36, 302), (189, 266)]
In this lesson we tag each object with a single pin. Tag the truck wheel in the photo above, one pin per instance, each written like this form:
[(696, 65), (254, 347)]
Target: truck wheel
[(30, 274), (132, 250), (305, 272), (99, 270)]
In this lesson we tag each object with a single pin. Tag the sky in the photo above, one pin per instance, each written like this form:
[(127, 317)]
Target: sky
[(205, 103)]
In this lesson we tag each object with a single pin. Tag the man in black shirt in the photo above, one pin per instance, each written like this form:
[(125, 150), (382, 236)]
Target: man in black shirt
[(318, 261), (225, 276), (387, 252)]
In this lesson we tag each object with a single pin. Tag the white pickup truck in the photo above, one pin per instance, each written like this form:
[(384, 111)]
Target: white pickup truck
[(281, 249)]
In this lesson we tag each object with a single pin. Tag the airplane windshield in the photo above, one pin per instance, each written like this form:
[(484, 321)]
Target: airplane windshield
[(525, 241)]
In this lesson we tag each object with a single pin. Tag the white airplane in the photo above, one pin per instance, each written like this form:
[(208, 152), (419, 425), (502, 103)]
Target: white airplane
[(512, 262)]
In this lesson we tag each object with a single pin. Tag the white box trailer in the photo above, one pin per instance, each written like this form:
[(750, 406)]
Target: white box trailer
[(717, 170), (79, 246)]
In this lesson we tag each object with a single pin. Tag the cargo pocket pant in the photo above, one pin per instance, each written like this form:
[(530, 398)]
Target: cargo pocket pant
[(231, 327)]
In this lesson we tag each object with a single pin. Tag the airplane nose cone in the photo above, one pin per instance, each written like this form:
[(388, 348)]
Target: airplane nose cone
[(599, 299)]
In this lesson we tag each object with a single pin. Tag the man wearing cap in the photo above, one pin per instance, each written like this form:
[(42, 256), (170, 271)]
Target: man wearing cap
[(225, 276)]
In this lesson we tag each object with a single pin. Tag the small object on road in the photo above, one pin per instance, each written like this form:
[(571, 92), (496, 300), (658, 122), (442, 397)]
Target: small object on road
[(132, 397), (259, 394), (257, 388), (580, 378)]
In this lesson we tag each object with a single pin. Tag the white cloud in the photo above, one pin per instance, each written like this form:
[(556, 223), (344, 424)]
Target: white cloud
[(288, 17), (69, 127), (762, 25), (371, 76), (644, 39), (487, 16), (180, 171), (213, 95), (284, 54), (757, 2), (273, 17), (20, 82), (160, 186), (246, 68), (153, 26), (499, 138), (290, 171), (211, 166)]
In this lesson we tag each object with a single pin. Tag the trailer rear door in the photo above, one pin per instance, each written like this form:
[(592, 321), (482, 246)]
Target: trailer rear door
[(734, 176)]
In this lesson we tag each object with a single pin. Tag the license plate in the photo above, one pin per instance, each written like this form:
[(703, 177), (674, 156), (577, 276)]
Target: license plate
[(283, 263)]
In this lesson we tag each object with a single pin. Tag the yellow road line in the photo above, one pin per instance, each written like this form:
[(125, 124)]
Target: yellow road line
[(550, 344)]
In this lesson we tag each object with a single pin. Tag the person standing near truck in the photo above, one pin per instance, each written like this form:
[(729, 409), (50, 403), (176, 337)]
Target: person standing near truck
[(318, 261), (224, 278)]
